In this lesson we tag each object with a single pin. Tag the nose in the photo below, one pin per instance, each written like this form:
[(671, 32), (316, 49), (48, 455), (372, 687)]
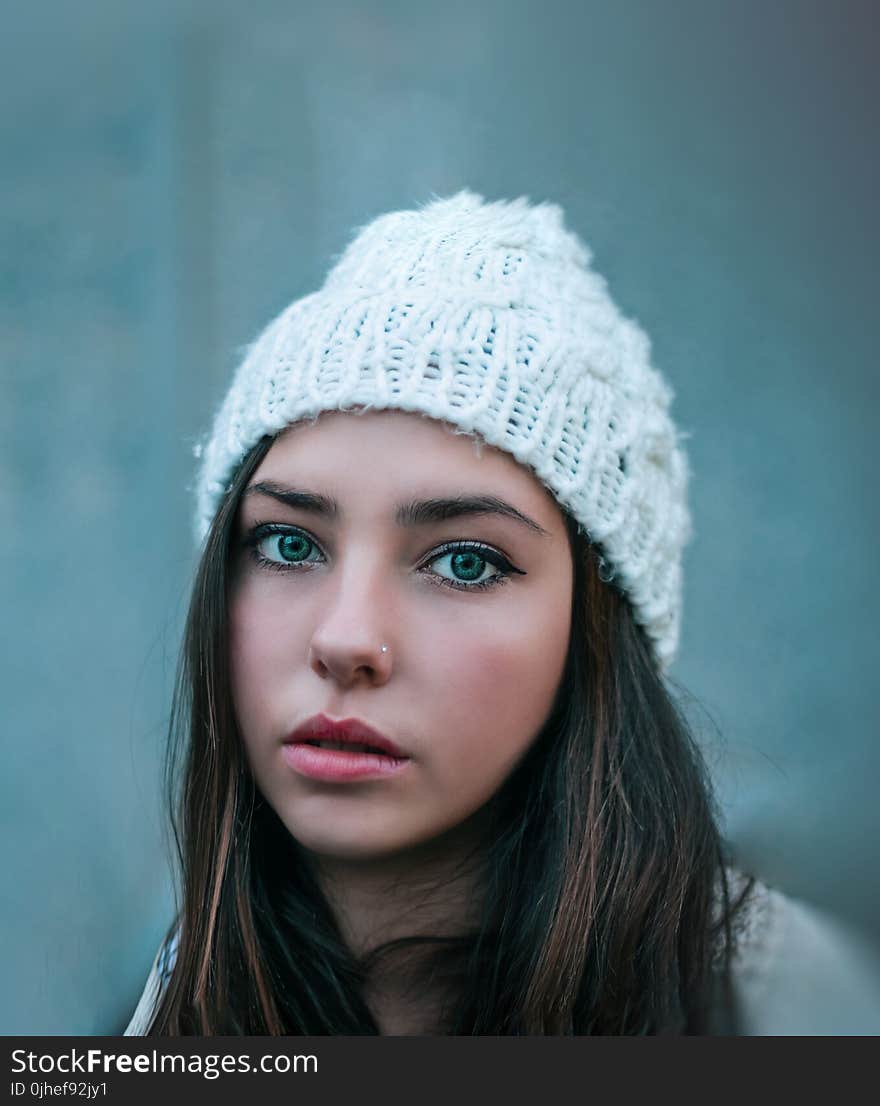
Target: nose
[(353, 663), (347, 643)]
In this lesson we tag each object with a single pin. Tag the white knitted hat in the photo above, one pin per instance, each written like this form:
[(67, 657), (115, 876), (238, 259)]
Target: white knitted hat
[(488, 317)]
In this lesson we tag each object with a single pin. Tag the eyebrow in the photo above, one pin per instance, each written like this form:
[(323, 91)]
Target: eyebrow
[(417, 512)]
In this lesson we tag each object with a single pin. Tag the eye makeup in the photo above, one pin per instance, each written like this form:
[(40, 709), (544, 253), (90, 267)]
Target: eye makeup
[(467, 556)]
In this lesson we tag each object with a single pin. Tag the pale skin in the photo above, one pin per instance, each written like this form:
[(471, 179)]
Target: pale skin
[(464, 688)]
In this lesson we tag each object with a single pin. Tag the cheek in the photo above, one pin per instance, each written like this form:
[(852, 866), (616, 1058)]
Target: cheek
[(262, 649), (505, 674)]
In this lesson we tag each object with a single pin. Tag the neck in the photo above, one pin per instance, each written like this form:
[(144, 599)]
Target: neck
[(433, 890)]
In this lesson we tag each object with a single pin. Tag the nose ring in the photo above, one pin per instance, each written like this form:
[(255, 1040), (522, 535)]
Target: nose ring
[(384, 649)]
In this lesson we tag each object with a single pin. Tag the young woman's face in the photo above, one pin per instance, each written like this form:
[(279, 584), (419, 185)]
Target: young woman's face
[(475, 653)]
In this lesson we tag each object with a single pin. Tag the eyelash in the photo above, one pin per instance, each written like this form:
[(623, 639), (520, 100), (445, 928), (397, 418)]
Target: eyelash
[(263, 530)]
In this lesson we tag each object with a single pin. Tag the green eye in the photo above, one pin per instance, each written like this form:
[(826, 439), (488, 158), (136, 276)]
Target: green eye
[(473, 566), (466, 565), (284, 548), (292, 547)]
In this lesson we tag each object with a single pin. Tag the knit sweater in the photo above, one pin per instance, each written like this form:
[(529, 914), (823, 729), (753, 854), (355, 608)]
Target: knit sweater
[(796, 971)]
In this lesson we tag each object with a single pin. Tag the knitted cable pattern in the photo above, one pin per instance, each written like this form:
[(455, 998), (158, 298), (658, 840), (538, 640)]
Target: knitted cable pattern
[(486, 316)]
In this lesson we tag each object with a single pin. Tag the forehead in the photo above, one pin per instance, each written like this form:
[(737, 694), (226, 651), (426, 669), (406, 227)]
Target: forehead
[(383, 455)]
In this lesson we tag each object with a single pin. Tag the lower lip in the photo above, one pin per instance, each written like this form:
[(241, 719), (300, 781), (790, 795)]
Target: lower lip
[(338, 766)]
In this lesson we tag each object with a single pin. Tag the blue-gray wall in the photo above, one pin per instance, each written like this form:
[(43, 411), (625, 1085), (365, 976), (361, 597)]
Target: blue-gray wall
[(170, 180)]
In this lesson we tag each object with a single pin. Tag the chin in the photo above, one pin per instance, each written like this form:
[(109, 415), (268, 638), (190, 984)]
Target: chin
[(340, 837), (358, 843), (347, 848)]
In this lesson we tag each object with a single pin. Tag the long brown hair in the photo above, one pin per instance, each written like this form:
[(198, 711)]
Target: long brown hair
[(607, 907)]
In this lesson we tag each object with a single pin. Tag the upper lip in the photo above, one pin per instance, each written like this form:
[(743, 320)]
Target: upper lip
[(351, 730)]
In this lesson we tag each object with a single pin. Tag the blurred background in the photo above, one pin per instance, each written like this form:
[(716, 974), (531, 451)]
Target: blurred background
[(172, 178)]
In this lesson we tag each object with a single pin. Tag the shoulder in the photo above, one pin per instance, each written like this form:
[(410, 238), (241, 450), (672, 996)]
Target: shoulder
[(798, 971), (160, 972)]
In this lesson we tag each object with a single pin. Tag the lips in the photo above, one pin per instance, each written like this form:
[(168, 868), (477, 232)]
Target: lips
[(348, 735), (342, 752)]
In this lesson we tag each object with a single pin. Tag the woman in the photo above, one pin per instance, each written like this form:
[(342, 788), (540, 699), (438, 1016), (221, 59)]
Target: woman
[(434, 781)]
